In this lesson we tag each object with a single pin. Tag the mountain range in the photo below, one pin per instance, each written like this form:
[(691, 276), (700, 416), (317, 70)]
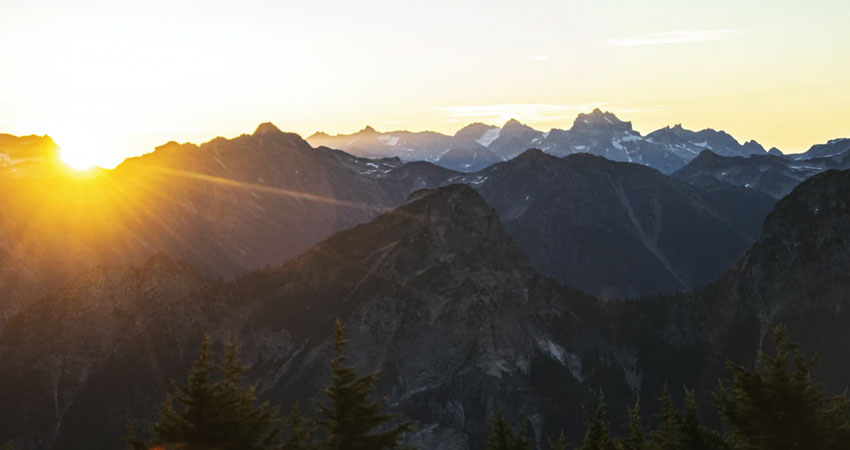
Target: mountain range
[(773, 175), (476, 146), (439, 297), (575, 216), (230, 206), (526, 285)]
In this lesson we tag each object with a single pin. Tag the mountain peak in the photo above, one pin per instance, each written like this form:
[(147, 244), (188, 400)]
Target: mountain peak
[(754, 146), (367, 130), (706, 155), (513, 124), (598, 118), (318, 134), (266, 128), (475, 130), (535, 154), (441, 227), (455, 192)]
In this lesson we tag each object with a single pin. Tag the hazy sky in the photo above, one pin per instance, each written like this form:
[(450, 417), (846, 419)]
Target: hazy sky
[(119, 78)]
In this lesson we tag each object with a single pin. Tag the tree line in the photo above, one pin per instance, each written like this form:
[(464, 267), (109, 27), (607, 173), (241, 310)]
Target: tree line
[(775, 406), (213, 410)]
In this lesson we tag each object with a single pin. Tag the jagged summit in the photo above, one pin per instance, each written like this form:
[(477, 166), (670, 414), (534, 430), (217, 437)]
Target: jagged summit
[(754, 147), (367, 130), (266, 128), (598, 118), (318, 134), (514, 125)]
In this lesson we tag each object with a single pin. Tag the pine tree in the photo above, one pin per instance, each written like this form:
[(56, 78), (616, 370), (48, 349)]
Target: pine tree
[(209, 412), (636, 439), (501, 436), (778, 406), (300, 429), (521, 440), (596, 437), (693, 435), (351, 421), (560, 443), (666, 437)]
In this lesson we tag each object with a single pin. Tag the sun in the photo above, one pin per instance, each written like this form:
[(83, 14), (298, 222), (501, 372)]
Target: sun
[(77, 159), (79, 151)]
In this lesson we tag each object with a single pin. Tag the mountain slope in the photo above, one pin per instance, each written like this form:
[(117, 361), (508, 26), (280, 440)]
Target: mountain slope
[(833, 148), (109, 340), (434, 293), (618, 229), (796, 274)]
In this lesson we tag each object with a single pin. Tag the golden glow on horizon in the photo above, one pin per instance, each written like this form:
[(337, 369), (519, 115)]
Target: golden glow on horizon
[(139, 74), (76, 158), (80, 148)]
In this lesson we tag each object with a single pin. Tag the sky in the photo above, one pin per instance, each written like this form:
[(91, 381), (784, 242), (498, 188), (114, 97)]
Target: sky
[(112, 79)]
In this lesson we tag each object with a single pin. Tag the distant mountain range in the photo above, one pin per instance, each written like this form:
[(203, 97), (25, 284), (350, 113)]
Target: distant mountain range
[(476, 146), (773, 175), (835, 148)]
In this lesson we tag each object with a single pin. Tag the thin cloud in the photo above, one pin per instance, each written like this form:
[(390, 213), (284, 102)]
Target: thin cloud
[(671, 37)]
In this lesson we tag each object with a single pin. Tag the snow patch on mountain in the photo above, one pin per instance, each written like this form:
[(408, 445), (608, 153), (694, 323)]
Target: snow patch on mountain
[(489, 136)]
